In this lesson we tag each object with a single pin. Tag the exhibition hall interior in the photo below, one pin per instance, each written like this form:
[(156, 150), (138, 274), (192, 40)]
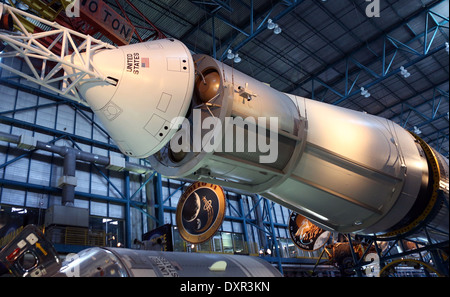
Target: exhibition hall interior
[(224, 138)]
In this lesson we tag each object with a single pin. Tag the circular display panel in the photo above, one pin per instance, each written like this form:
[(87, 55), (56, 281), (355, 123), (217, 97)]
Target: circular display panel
[(305, 234), (200, 212)]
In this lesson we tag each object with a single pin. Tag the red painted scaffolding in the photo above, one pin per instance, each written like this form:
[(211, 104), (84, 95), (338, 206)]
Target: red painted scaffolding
[(93, 17)]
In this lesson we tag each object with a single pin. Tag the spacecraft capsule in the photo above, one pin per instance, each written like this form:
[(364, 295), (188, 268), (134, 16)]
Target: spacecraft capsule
[(148, 84)]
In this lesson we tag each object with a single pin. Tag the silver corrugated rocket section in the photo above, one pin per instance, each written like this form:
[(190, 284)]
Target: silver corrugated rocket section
[(345, 170), (118, 262)]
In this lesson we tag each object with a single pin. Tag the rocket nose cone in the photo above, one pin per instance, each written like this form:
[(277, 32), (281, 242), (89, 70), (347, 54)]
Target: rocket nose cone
[(105, 63), (146, 90)]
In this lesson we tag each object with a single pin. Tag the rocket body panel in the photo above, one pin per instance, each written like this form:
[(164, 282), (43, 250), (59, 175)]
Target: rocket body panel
[(350, 187), (345, 170)]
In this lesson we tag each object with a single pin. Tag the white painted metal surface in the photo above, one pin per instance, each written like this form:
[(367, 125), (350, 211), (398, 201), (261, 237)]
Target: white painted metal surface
[(153, 85)]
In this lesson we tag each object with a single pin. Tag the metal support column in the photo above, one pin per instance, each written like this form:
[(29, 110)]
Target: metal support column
[(274, 236), (259, 220), (355, 258), (159, 200), (244, 223), (127, 210), (68, 186)]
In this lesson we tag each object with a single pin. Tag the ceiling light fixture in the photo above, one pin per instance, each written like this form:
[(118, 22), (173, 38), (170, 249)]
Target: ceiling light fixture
[(270, 24), (230, 55), (237, 59), (365, 92), (417, 130), (273, 26), (277, 29), (233, 56), (404, 72)]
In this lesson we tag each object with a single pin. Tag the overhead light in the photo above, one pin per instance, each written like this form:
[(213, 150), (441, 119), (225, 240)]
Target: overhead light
[(234, 57), (417, 130), (277, 29), (404, 72), (365, 92), (273, 26), (270, 24), (230, 55), (237, 59)]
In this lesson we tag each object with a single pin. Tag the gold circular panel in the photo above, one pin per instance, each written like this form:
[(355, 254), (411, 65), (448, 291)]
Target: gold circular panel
[(200, 212)]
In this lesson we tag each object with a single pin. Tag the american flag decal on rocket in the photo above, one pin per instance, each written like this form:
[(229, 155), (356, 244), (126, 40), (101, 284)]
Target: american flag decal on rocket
[(145, 63)]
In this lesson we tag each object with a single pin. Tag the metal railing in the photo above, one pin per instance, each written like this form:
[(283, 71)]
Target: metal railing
[(76, 236)]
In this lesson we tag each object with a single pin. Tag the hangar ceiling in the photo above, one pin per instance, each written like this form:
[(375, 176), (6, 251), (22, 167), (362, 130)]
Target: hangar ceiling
[(327, 50)]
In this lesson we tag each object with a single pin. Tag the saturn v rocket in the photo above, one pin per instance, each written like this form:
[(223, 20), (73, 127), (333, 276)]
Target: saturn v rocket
[(347, 171)]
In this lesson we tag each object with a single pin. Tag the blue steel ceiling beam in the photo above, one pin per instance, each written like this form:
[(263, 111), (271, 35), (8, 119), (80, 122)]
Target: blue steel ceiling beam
[(437, 96), (316, 32), (57, 191), (430, 120), (433, 111), (56, 133), (378, 58), (273, 51), (212, 14), (434, 108), (34, 107), (64, 101), (291, 6), (219, 4), (9, 81), (439, 142), (230, 40), (223, 4), (379, 78), (237, 27)]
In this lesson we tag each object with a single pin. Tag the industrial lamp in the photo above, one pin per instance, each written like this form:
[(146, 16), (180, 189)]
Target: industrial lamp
[(404, 72), (365, 92), (273, 26), (231, 56)]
